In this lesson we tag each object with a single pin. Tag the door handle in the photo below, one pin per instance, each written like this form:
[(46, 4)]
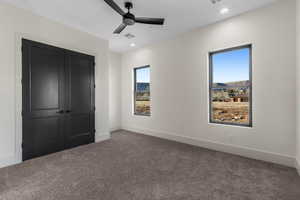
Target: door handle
[(68, 111), (60, 112)]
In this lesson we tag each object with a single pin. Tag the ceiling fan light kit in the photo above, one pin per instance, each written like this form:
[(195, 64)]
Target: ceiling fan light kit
[(129, 19)]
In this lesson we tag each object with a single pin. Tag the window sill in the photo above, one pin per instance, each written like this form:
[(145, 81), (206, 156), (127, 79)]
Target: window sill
[(141, 115), (230, 125)]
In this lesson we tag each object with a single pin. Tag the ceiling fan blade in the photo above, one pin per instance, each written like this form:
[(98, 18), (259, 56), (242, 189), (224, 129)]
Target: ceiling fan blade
[(120, 29), (146, 20), (115, 6)]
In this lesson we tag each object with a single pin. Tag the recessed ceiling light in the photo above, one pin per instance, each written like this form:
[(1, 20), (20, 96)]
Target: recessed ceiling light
[(224, 11), (132, 45)]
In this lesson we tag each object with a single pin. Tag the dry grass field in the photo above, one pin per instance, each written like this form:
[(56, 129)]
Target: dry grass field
[(231, 112), (142, 107), (227, 112)]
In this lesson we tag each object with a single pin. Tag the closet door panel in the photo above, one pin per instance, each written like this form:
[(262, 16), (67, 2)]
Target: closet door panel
[(43, 99), (80, 100), (80, 84)]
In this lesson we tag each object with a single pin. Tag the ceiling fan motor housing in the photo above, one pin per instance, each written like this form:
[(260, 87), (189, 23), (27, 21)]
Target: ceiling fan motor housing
[(129, 19)]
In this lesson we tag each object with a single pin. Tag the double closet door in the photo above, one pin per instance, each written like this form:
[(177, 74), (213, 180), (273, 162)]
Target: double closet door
[(58, 90)]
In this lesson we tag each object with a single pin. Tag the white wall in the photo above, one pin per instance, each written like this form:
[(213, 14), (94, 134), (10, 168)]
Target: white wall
[(114, 91), (298, 84), (179, 85), (16, 23)]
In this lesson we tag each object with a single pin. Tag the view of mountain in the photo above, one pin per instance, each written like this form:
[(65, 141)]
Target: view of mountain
[(236, 84), (144, 87)]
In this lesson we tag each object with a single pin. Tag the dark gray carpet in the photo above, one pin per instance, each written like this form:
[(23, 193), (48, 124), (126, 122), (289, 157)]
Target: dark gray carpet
[(137, 167)]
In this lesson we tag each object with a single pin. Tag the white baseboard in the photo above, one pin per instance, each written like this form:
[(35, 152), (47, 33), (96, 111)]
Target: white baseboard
[(232, 149), (298, 166), (115, 129), (8, 161), (237, 150), (102, 137)]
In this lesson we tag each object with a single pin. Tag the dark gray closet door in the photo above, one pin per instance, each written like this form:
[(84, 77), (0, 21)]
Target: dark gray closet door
[(43, 99), (80, 118), (58, 99)]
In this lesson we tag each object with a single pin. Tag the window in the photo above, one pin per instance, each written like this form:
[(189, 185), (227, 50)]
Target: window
[(231, 86), (142, 91)]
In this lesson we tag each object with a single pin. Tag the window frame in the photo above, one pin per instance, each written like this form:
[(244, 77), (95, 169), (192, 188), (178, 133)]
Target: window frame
[(134, 91), (211, 54)]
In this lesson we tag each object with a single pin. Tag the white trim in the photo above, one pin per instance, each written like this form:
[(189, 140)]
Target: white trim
[(102, 137), (8, 161), (297, 165), (232, 149)]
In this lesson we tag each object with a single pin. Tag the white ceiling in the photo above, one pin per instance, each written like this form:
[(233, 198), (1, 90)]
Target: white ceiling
[(97, 18)]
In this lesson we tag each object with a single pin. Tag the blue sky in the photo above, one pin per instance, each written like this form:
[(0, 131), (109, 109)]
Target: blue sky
[(143, 75), (231, 66)]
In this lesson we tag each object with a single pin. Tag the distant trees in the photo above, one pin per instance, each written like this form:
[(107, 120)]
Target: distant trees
[(225, 94), (143, 96), (220, 95)]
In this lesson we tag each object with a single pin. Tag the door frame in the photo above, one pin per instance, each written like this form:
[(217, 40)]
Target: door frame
[(18, 84)]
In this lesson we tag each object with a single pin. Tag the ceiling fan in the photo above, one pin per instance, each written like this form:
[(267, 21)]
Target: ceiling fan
[(129, 19)]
